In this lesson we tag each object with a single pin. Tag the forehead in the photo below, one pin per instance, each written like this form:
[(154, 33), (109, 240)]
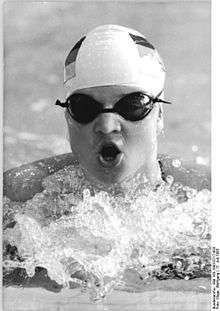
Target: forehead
[(108, 94)]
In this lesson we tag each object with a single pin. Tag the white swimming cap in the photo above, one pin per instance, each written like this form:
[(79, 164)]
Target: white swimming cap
[(114, 55)]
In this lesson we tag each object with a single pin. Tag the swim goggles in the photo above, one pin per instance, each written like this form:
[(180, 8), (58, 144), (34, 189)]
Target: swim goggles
[(133, 107)]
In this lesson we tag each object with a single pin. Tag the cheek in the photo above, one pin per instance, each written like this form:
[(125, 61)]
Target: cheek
[(74, 132), (143, 132), (71, 124), (80, 137)]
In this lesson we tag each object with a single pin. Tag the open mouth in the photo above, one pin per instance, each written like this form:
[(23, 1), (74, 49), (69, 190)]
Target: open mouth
[(110, 155)]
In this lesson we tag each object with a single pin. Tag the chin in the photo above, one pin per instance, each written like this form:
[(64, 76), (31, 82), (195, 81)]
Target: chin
[(105, 176), (114, 175), (110, 177)]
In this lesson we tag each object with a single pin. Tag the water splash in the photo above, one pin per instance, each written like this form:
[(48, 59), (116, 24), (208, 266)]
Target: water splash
[(93, 238)]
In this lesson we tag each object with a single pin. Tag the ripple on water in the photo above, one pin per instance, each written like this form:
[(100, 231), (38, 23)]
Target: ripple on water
[(87, 236)]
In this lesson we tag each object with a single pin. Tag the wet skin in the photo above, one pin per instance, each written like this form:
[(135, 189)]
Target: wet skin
[(137, 140)]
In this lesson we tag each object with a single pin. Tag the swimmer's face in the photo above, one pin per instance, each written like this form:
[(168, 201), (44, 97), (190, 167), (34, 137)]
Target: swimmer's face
[(111, 148)]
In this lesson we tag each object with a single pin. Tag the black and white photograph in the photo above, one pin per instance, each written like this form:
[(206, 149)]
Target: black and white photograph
[(107, 156)]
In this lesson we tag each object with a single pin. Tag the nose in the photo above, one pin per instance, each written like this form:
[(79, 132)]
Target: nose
[(107, 123)]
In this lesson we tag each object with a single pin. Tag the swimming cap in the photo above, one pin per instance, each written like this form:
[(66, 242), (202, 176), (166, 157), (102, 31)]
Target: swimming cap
[(114, 55)]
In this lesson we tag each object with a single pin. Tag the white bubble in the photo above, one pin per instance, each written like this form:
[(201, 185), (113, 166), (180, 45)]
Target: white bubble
[(195, 148), (202, 160), (169, 179), (176, 163), (27, 136), (10, 140), (39, 106)]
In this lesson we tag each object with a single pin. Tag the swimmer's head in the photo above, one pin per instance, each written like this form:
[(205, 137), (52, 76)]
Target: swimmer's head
[(114, 80)]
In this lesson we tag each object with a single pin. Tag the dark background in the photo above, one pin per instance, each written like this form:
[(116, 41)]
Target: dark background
[(38, 37)]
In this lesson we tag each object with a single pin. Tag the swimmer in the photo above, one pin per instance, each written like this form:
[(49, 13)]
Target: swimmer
[(114, 82)]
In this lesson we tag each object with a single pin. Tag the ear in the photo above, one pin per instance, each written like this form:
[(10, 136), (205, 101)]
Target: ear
[(160, 123)]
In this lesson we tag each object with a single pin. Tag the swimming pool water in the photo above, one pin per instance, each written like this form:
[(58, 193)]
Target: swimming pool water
[(99, 240)]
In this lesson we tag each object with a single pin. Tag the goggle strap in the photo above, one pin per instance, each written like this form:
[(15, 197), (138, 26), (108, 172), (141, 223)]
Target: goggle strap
[(158, 100), (162, 101), (59, 103)]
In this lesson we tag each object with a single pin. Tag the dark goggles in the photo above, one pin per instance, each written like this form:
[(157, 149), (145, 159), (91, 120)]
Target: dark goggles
[(133, 107)]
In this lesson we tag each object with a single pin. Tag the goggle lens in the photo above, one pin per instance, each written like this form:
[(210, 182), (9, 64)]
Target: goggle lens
[(134, 107), (83, 108)]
